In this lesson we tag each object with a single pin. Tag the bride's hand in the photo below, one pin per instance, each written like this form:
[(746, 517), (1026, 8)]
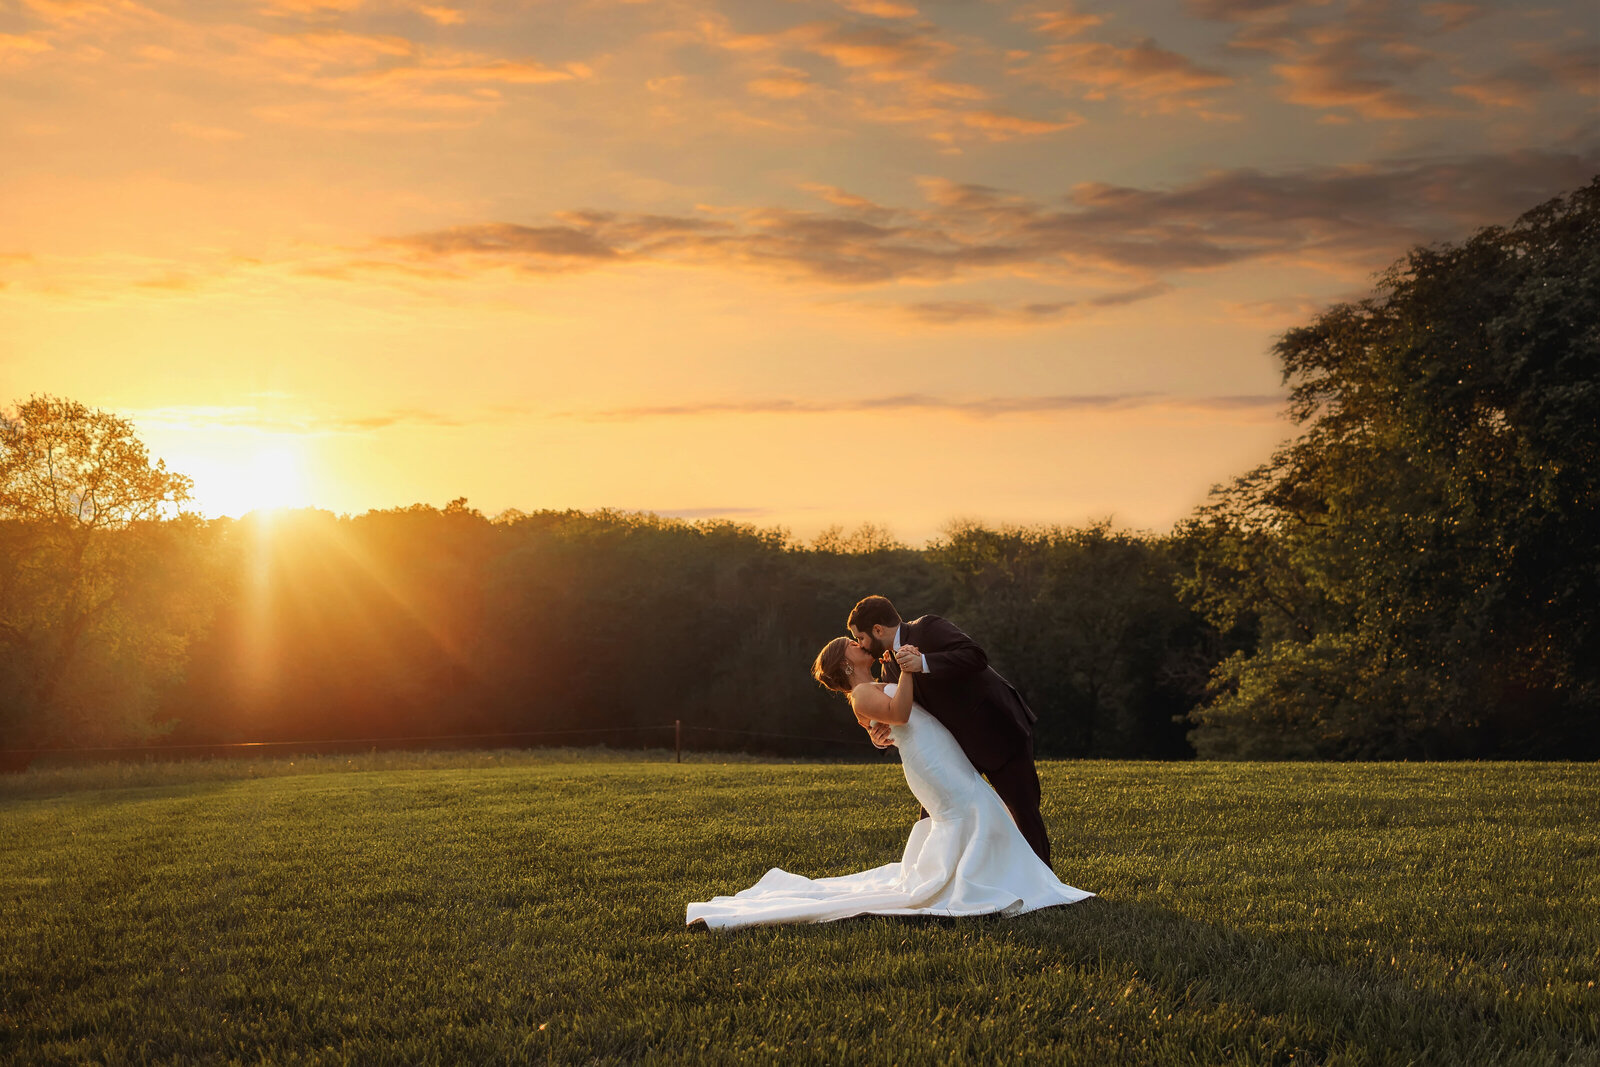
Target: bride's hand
[(909, 657)]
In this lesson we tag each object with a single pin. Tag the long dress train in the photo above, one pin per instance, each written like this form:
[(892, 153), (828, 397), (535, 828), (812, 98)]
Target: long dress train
[(966, 858)]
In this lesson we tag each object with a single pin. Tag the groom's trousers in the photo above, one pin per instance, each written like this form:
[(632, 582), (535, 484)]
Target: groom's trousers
[(1017, 783)]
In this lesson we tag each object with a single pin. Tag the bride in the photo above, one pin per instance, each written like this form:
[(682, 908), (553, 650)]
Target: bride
[(966, 858)]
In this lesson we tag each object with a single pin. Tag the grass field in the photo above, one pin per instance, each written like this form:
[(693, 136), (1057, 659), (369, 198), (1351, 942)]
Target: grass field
[(496, 907)]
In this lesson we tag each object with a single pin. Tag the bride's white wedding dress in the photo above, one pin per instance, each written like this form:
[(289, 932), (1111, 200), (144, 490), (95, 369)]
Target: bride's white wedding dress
[(966, 858)]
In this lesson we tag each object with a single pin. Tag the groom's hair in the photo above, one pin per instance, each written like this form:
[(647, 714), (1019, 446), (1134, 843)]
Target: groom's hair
[(873, 611)]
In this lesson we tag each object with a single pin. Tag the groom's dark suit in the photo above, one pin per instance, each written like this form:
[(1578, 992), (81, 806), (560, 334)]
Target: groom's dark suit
[(983, 711)]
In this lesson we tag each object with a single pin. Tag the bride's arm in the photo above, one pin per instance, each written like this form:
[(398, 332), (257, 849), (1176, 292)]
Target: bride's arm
[(900, 708), (869, 702)]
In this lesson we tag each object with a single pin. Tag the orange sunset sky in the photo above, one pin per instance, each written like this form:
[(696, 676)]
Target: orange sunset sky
[(786, 261)]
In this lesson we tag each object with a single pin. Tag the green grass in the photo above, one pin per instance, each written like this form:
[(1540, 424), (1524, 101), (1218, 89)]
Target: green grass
[(491, 907)]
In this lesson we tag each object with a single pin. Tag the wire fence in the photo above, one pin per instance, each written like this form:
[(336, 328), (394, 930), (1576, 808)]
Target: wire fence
[(757, 733), (20, 758)]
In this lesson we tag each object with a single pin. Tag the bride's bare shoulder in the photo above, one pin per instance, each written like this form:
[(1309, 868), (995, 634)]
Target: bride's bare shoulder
[(867, 696)]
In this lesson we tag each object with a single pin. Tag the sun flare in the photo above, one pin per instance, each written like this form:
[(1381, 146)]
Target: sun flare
[(260, 477)]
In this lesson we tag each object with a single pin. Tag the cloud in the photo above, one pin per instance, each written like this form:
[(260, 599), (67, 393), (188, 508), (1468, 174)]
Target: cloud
[(1343, 219), (853, 45), (1453, 16), (395, 65), (1129, 296), (883, 9), (444, 16), (782, 85), (1573, 69), (248, 417), (320, 75), (1238, 10), (173, 282), (205, 133), (304, 8), (1061, 23), (535, 242), (280, 420), (1357, 63), (1258, 405), (426, 89), (1277, 314), (1097, 245), (17, 51), (449, 94), (1356, 58), (323, 10), (1001, 126), (1334, 77), (867, 46), (956, 312), (1144, 74), (881, 72), (324, 48)]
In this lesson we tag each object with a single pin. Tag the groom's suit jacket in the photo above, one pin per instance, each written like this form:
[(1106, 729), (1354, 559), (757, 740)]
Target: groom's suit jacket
[(983, 711)]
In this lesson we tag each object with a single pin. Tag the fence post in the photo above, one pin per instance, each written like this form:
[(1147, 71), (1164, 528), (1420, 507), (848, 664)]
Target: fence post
[(677, 738)]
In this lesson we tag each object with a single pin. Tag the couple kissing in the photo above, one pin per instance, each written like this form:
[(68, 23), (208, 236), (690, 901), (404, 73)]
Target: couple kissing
[(979, 847)]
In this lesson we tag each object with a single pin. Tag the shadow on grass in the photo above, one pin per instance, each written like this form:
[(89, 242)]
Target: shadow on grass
[(1288, 994)]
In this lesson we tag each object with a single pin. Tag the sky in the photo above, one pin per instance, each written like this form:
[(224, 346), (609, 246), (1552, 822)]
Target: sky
[(798, 263)]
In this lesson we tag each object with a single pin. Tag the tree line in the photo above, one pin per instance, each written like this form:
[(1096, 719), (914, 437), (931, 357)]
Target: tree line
[(1416, 574)]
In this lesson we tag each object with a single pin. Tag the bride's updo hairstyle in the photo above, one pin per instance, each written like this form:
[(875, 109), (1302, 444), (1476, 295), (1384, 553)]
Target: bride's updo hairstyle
[(828, 668)]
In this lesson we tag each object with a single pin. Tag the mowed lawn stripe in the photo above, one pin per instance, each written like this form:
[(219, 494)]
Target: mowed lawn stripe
[(531, 909)]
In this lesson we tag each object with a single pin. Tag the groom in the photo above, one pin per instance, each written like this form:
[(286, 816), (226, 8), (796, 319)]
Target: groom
[(955, 684)]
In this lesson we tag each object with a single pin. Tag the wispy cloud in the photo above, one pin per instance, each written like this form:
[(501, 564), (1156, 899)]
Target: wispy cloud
[(1357, 59), (889, 72), (1145, 76), (1096, 245), (1574, 69), (202, 132), (1260, 405), (310, 70), (1453, 16), (1336, 217), (954, 312), (1059, 22), (18, 51), (283, 419), (1277, 313), (1129, 296)]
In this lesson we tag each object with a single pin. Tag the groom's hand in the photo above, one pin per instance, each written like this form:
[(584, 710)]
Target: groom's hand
[(879, 732), (909, 658)]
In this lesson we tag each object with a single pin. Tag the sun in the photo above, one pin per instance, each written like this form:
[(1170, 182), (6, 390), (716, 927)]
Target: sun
[(255, 478), (275, 480)]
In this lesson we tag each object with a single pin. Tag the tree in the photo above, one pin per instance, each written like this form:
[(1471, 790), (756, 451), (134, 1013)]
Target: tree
[(1419, 564), (1086, 623), (80, 508)]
